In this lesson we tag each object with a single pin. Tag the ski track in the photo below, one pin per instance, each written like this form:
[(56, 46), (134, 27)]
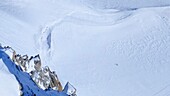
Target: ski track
[(165, 91), (78, 18), (96, 19)]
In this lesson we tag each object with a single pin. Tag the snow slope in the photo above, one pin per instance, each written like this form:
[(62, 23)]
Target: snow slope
[(102, 52), (126, 57)]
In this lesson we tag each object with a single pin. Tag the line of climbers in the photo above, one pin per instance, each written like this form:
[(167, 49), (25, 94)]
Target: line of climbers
[(42, 76)]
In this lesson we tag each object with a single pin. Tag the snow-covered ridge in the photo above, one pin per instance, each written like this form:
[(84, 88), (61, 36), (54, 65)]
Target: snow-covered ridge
[(27, 84)]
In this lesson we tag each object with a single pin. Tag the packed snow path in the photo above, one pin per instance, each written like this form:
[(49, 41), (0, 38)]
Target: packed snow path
[(29, 88)]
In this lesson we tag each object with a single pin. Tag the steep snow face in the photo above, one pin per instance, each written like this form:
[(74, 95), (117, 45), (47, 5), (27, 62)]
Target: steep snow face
[(12, 29), (102, 52)]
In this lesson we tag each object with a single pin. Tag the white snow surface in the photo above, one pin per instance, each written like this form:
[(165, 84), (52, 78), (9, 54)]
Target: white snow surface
[(102, 47)]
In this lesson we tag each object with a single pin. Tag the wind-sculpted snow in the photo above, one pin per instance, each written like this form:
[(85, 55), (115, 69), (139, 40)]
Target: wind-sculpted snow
[(28, 87)]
